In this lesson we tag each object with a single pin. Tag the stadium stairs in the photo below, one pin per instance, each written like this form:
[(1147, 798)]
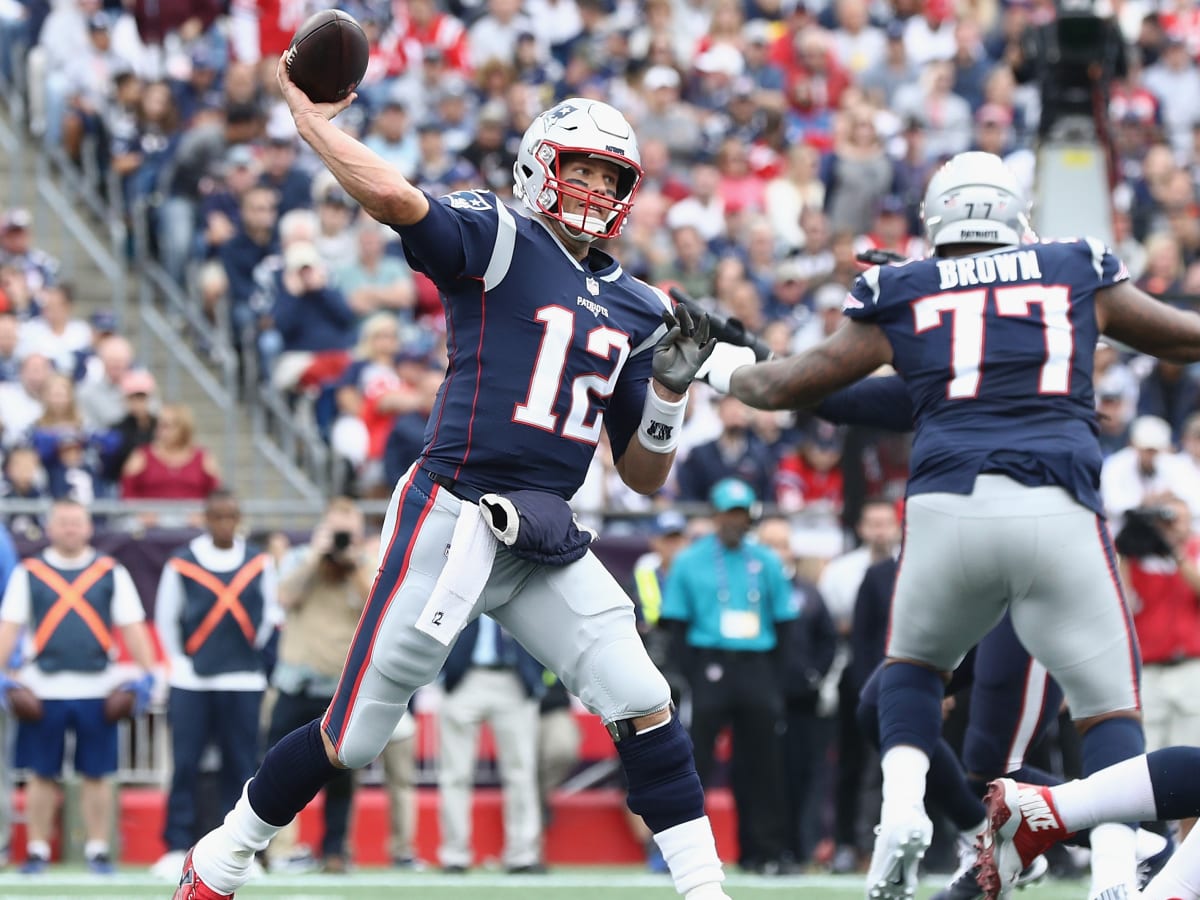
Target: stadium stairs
[(72, 223)]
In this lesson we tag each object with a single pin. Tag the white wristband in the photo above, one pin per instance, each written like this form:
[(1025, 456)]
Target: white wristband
[(725, 360), (658, 431)]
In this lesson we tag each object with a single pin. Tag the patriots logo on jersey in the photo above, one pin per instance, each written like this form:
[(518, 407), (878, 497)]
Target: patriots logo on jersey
[(593, 286), (852, 302), (468, 200)]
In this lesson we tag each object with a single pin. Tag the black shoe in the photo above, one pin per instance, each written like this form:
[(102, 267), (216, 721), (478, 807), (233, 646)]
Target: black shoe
[(531, 869), (1150, 867), (454, 870), (966, 886)]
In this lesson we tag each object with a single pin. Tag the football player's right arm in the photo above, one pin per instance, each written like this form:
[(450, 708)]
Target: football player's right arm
[(1133, 317), (384, 193)]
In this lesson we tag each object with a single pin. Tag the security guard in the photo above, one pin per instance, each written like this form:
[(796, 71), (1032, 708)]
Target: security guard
[(728, 599), (216, 610), (667, 538), (68, 599)]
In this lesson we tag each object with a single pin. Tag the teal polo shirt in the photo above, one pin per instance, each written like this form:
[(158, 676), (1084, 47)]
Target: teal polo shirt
[(731, 599)]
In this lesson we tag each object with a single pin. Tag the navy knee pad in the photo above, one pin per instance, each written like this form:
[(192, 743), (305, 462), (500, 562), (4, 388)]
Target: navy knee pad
[(664, 788), (910, 707), (1173, 776), (1111, 741), (291, 774)]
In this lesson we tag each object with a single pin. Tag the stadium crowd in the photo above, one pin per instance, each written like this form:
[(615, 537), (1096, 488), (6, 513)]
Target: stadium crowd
[(778, 140)]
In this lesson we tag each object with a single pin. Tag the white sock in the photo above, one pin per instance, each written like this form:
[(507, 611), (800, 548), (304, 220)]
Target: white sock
[(1180, 877), (40, 849), (691, 854), (904, 771), (1114, 857), (222, 857), (971, 834), (92, 849), (1149, 844), (1120, 793)]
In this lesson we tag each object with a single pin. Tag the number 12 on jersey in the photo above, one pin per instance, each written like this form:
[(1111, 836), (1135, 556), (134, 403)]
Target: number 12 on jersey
[(968, 318)]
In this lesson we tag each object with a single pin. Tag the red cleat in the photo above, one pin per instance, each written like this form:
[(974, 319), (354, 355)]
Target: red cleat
[(1022, 824), (192, 888)]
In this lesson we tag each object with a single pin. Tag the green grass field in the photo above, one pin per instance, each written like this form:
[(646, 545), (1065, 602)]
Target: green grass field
[(561, 884)]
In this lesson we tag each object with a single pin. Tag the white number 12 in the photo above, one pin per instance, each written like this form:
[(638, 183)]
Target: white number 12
[(968, 311), (546, 381)]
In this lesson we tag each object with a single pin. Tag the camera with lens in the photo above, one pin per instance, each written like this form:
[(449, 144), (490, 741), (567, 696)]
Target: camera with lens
[(341, 541), (1144, 532)]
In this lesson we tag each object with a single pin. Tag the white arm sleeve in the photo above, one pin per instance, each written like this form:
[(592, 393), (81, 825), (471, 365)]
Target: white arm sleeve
[(15, 606), (127, 605), (168, 604)]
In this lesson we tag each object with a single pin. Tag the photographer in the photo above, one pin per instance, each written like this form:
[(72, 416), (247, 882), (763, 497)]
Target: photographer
[(1158, 563), (322, 588)]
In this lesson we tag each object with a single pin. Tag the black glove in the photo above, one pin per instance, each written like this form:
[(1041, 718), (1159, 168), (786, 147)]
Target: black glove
[(682, 350)]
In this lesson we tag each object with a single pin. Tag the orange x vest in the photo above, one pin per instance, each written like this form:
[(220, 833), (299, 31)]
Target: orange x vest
[(72, 614), (221, 613)]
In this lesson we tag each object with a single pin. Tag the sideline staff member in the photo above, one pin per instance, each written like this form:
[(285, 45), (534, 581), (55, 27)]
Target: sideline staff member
[(728, 598)]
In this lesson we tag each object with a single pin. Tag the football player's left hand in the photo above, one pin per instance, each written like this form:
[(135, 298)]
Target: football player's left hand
[(682, 350)]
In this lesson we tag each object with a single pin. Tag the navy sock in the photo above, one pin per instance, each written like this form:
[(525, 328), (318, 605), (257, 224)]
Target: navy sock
[(1173, 777), (1109, 742), (291, 774), (946, 785), (910, 707), (664, 788)]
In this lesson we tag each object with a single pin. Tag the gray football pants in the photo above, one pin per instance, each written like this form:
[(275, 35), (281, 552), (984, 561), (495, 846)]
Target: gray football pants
[(576, 619), (1035, 550)]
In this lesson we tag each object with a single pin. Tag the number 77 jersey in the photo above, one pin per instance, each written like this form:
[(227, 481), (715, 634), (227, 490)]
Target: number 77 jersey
[(996, 351)]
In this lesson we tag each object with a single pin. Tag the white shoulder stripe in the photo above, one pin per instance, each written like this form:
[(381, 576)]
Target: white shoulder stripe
[(649, 342), (871, 278), (1097, 247), (502, 251), (666, 301)]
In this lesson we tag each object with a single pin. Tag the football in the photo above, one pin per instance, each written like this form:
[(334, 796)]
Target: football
[(119, 704), (328, 56), (24, 703)]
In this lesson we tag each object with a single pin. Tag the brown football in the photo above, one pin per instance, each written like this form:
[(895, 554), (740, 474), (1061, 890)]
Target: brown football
[(328, 56), (119, 705), (24, 703)]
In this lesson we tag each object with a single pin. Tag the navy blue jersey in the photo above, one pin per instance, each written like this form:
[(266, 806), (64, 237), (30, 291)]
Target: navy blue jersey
[(995, 350), (544, 350)]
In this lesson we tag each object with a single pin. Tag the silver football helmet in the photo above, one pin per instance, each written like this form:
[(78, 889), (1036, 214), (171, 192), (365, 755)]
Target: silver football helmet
[(974, 199), (578, 126)]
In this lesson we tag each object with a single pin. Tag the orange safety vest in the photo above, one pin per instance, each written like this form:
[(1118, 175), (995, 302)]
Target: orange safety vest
[(71, 599), (228, 598)]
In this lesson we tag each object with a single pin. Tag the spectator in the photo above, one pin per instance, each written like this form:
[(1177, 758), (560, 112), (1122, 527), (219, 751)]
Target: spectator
[(857, 175), (375, 281), (489, 677), (729, 606), (857, 43), (17, 295), (929, 36), (24, 479), (787, 197), (399, 760), (335, 218), (70, 456), (810, 479), (315, 322), (971, 65), (491, 153), (69, 666), (494, 35), (171, 466), (767, 78), (892, 69), (1146, 468), (10, 361), (253, 241), (17, 250), (76, 96), (665, 118), (392, 136), (692, 264), (736, 453), (1170, 393), (138, 425), (101, 396), (21, 401), (141, 157), (56, 333), (407, 437), (281, 173), (226, 184), (945, 116), (1175, 81), (215, 611)]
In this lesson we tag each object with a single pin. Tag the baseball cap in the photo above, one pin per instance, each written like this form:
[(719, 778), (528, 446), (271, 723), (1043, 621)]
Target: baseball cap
[(137, 381), (301, 254), (824, 436), (895, 30), (669, 521), (721, 59), (660, 77), (830, 295), (17, 219), (890, 203), (239, 156), (99, 22), (493, 112), (757, 31), (732, 493), (1150, 433), (395, 98), (103, 321)]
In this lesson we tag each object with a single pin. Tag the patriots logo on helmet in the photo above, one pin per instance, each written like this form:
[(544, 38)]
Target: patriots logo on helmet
[(560, 112)]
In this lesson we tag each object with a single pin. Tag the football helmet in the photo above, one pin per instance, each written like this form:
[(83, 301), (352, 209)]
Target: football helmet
[(974, 199), (578, 126)]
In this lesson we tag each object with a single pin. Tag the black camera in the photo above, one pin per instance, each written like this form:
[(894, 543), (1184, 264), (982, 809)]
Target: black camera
[(1143, 534), (341, 541)]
